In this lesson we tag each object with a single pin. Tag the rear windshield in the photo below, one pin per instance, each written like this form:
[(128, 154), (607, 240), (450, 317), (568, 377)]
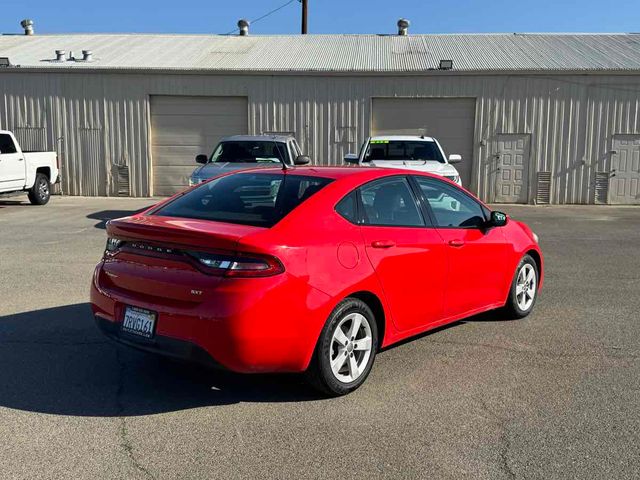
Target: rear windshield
[(258, 199), (250, 152), (403, 150)]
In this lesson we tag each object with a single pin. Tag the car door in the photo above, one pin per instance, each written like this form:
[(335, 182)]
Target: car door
[(406, 253), (12, 169), (475, 253)]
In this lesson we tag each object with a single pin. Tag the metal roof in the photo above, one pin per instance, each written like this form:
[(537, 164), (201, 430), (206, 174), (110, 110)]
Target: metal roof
[(330, 53)]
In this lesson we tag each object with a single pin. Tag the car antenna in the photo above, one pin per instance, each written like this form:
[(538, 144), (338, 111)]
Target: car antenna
[(285, 167)]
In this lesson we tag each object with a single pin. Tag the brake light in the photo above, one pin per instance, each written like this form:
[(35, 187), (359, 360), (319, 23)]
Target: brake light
[(241, 265), (113, 245)]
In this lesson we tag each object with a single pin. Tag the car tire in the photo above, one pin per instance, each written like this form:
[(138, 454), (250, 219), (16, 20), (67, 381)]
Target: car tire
[(342, 362), (40, 193), (524, 289)]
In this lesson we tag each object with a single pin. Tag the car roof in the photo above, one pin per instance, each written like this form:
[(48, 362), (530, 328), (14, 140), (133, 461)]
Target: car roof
[(258, 138), (403, 137), (336, 173)]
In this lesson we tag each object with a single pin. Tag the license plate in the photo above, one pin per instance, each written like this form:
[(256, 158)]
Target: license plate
[(138, 321)]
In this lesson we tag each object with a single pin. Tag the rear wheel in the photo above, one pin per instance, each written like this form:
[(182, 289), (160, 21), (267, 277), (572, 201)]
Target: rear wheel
[(524, 288), (346, 349), (40, 192)]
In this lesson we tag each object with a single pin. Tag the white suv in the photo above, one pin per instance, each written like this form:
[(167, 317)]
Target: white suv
[(411, 152)]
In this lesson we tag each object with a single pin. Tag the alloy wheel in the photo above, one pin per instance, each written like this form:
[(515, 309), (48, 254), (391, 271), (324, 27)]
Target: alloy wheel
[(526, 283), (43, 189), (351, 346)]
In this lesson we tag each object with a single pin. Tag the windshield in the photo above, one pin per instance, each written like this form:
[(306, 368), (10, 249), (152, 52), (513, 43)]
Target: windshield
[(250, 152), (403, 150), (257, 199)]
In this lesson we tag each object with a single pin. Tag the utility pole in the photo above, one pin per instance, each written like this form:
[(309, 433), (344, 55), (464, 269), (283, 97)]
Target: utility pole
[(304, 16)]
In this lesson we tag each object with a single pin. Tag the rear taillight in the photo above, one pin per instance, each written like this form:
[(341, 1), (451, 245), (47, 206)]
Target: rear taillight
[(113, 245), (241, 265)]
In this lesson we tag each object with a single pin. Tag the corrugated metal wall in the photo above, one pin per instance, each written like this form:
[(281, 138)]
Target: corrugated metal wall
[(98, 122)]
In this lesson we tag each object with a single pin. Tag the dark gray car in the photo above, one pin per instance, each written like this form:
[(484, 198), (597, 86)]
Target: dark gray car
[(240, 152)]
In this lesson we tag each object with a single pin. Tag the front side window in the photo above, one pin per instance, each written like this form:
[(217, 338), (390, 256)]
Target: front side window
[(6, 144), (249, 152), (257, 199), (450, 205), (419, 150), (390, 202)]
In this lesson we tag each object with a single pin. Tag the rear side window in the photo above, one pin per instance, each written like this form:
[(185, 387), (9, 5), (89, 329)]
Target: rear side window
[(390, 202), (6, 144), (257, 199), (347, 208)]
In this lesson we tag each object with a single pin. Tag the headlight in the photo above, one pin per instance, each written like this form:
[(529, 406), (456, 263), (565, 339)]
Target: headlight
[(535, 237), (113, 244), (453, 178)]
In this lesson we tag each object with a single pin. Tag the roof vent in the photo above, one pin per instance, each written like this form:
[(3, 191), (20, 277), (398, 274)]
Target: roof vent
[(87, 55), (60, 55), (403, 26), (27, 24), (243, 26)]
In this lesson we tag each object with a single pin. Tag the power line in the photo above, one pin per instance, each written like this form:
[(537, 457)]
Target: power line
[(265, 15)]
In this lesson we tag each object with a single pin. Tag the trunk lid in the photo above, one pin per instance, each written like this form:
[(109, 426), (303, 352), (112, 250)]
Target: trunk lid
[(153, 260)]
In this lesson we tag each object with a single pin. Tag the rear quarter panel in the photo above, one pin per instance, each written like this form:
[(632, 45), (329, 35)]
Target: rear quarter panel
[(324, 251), (35, 160)]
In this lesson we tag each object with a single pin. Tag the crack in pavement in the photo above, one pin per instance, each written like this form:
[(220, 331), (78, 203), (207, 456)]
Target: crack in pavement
[(505, 442), (123, 432)]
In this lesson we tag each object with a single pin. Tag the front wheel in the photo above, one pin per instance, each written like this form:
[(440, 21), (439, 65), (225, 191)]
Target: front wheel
[(40, 192), (346, 349), (524, 288)]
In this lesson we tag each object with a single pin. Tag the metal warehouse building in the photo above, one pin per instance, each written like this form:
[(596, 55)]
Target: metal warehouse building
[(538, 118)]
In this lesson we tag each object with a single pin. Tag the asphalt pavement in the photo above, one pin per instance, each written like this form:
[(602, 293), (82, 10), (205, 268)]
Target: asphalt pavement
[(556, 395)]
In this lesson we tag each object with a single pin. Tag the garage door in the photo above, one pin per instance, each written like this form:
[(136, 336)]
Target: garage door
[(183, 127), (450, 120)]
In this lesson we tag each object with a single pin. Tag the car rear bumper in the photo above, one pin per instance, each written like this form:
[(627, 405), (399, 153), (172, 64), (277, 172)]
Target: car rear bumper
[(271, 325), (166, 346)]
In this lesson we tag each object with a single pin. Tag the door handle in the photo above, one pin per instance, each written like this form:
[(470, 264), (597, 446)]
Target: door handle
[(456, 243), (20, 159), (383, 244)]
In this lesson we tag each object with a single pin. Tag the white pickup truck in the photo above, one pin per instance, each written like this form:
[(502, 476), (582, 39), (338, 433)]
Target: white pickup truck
[(31, 172)]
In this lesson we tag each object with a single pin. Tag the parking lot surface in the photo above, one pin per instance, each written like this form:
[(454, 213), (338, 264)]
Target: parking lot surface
[(556, 395)]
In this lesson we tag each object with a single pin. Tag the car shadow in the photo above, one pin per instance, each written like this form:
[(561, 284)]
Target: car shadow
[(56, 361), (105, 215), (490, 316), (11, 203)]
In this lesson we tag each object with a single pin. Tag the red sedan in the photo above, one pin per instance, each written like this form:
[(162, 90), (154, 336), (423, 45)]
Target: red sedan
[(309, 269)]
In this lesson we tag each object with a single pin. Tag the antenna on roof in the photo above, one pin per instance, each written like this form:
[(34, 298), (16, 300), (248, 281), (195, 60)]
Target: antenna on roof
[(285, 167)]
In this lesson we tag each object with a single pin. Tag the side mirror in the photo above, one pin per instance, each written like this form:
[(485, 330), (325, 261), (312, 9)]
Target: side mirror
[(202, 158), (498, 219), (302, 160), (351, 158), (455, 158)]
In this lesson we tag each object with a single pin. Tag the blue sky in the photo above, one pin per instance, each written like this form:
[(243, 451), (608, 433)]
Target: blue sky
[(325, 16)]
